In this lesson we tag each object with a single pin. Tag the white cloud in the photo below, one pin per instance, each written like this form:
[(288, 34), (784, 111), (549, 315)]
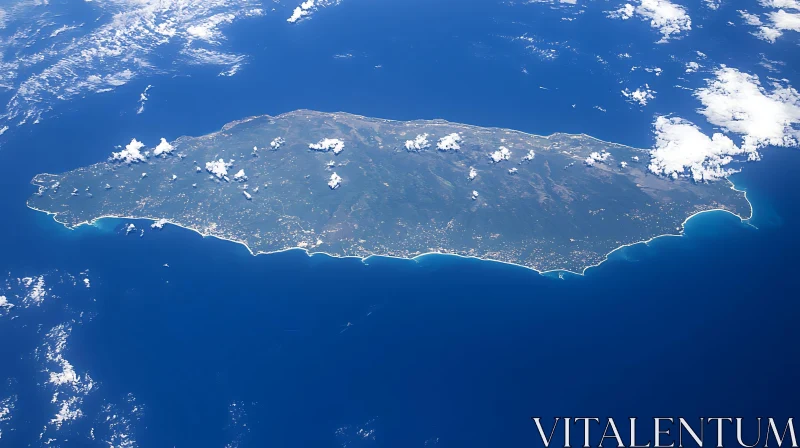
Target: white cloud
[(538, 46), (420, 142), (7, 406), (5, 304), (656, 70), (596, 157), (308, 7), (126, 42), (276, 143), (501, 154), (529, 156), (768, 34), (119, 78), (771, 65), (692, 67), (66, 376), (334, 181), (208, 29), (163, 148), (738, 103), (117, 423), (35, 291), (449, 142), (764, 32), (218, 168), (784, 4), (205, 56), (131, 153), (64, 29), (780, 21), (681, 147), (625, 12), (669, 19), (713, 4), (784, 21), (776, 21), (240, 176), (69, 387), (67, 412), (328, 144), (474, 195), (750, 19), (301, 11), (640, 96), (473, 173), (143, 97)]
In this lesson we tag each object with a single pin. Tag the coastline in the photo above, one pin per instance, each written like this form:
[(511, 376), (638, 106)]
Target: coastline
[(309, 253), (335, 116), (435, 121), (432, 121)]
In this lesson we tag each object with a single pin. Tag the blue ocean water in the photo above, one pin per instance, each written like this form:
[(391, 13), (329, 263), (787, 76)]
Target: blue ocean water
[(220, 348)]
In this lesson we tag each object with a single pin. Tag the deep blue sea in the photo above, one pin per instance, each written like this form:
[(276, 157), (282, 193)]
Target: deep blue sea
[(220, 348)]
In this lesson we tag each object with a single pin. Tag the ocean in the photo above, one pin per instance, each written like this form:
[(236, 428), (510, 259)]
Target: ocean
[(193, 342)]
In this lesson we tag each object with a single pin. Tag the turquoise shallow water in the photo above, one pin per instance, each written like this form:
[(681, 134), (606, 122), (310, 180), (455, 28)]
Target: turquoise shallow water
[(314, 349)]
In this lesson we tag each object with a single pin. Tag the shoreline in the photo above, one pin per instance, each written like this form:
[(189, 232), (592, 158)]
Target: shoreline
[(434, 121), (430, 121), (335, 116), (415, 258)]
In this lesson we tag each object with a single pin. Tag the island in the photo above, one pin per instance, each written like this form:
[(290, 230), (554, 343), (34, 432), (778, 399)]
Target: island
[(354, 186)]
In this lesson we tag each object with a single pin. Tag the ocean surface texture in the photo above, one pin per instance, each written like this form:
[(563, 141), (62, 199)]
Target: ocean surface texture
[(162, 338)]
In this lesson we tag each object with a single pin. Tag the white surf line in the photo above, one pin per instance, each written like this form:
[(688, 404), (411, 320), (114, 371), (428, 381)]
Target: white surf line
[(440, 122), (679, 234), (416, 257)]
